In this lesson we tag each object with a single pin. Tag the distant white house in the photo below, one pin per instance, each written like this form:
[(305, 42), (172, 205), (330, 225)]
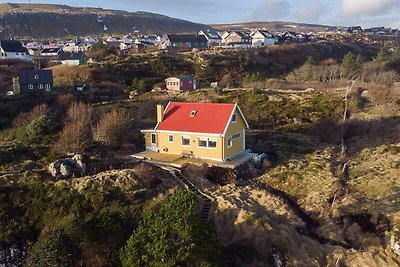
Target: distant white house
[(10, 49), (261, 38), (72, 58), (212, 37), (50, 52)]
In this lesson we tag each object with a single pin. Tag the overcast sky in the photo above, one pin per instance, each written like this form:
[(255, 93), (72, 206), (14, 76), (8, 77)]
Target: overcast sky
[(366, 13)]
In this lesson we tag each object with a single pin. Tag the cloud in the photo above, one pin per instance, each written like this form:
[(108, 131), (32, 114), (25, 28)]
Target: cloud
[(311, 13), (271, 10), (368, 7)]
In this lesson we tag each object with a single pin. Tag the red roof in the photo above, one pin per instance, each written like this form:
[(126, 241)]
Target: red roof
[(209, 117)]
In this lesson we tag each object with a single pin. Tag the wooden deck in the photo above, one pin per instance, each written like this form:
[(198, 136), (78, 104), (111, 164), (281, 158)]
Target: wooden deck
[(178, 161)]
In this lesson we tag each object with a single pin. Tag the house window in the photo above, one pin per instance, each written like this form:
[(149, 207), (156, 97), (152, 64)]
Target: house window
[(153, 138), (212, 143), (236, 136), (171, 138), (193, 113), (40, 86), (207, 142), (36, 77), (203, 142), (230, 141), (234, 119), (30, 86), (47, 87), (185, 141)]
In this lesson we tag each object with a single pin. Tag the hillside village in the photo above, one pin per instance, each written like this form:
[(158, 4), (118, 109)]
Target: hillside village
[(232, 145)]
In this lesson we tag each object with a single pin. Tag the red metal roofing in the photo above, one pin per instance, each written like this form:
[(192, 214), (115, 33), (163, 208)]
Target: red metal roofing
[(210, 117)]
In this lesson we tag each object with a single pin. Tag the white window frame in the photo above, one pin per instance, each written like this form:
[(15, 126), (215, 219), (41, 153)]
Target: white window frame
[(185, 137), (30, 86), (193, 113), (234, 117), (40, 86), (212, 140), (36, 77), (230, 141), (47, 86), (155, 139), (169, 138), (203, 139)]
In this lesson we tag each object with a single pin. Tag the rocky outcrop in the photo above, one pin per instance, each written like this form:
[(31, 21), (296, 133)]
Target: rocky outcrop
[(67, 167)]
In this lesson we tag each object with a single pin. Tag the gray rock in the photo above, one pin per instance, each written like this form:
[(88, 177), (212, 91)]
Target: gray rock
[(54, 168), (80, 163), (65, 169)]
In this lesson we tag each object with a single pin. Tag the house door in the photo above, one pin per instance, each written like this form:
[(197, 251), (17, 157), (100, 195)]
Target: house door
[(153, 145)]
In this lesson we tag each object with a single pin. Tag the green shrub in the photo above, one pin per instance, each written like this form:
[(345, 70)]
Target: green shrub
[(39, 129), (106, 224), (172, 235), (53, 248)]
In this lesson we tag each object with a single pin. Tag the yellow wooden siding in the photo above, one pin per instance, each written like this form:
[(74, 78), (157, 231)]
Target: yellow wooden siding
[(234, 128), (176, 147), (147, 139)]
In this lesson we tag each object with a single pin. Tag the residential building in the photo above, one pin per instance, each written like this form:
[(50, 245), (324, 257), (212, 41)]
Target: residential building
[(50, 52), (183, 42), (355, 29), (261, 38), (213, 38), (72, 58), (236, 37), (10, 49), (211, 131), (33, 81), (180, 84)]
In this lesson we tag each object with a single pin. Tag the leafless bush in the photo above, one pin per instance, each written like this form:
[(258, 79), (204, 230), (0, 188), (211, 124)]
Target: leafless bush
[(380, 93), (63, 102), (76, 134), (112, 128), (80, 112), (24, 119), (387, 78), (75, 137)]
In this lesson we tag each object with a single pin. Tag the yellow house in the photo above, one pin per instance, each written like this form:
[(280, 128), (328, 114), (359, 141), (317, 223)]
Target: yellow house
[(202, 130)]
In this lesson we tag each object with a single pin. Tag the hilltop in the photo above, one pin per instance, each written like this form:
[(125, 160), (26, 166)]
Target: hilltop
[(276, 26), (52, 21)]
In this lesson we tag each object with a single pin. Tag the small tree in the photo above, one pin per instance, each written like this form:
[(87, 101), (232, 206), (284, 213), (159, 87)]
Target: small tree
[(113, 128), (395, 56), (172, 235), (306, 72), (351, 66), (53, 248), (382, 56)]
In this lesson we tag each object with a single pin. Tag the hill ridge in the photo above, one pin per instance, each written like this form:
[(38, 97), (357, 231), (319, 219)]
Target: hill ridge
[(48, 20)]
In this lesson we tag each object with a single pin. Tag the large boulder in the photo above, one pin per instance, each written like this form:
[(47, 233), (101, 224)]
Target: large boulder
[(75, 166)]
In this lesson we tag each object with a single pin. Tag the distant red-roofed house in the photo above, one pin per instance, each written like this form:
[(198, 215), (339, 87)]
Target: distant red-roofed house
[(180, 84), (212, 131)]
